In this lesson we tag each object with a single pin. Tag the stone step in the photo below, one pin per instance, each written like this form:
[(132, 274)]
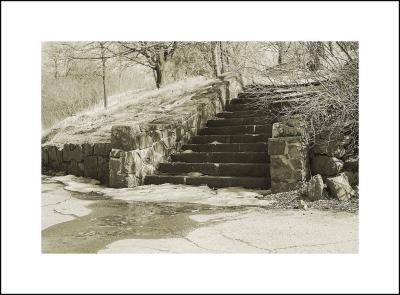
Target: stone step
[(242, 107), (239, 157), (242, 114), (239, 121), (242, 101), (259, 93), (242, 129), (211, 181), (244, 138), (227, 147), (216, 169)]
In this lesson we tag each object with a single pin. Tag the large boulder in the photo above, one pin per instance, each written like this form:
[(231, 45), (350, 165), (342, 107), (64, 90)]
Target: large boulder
[(330, 148), (352, 177), (326, 166), (315, 188), (340, 187), (351, 164), (331, 143)]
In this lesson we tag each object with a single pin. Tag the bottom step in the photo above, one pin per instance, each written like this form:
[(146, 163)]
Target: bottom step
[(211, 181)]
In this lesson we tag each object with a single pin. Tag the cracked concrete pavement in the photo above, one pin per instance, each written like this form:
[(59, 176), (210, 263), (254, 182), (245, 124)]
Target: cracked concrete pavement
[(82, 218), (60, 206), (259, 231)]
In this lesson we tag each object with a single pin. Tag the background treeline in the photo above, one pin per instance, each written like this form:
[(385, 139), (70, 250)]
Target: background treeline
[(79, 75)]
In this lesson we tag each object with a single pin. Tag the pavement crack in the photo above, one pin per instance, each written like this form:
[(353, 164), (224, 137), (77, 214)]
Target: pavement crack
[(192, 242), (161, 250), (310, 245), (196, 244), (66, 214), (180, 235), (244, 242), (60, 202)]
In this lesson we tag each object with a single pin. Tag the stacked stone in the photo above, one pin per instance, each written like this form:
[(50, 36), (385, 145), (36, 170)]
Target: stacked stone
[(89, 160), (136, 153), (288, 155)]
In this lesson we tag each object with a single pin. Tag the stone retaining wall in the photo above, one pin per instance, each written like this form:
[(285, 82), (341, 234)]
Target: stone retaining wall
[(89, 160), (135, 151), (136, 154)]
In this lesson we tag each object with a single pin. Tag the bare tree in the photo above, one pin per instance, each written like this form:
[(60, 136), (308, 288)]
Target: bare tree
[(94, 51), (283, 48), (154, 55), (57, 58)]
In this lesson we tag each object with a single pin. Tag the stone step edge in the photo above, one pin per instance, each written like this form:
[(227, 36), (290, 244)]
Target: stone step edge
[(263, 180)]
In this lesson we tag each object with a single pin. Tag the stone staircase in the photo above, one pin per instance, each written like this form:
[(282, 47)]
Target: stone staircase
[(230, 151)]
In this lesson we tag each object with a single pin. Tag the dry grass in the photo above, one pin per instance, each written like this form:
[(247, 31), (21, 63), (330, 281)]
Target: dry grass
[(131, 108)]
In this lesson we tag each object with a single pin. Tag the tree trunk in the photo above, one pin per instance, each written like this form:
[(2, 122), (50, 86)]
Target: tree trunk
[(226, 53), (55, 69), (104, 82), (103, 76), (158, 76), (221, 58), (280, 54), (216, 59)]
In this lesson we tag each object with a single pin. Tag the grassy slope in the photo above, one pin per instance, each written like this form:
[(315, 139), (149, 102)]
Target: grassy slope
[(129, 108)]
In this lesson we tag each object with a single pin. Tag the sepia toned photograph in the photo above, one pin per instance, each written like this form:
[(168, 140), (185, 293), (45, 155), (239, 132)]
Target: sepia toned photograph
[(200, 147)]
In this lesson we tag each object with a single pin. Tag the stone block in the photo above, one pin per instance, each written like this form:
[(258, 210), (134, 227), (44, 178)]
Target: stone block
[(297, 163), (351, 164), (132, 180), (116, 165), (45, 156), (72, 152), (332, 148), (55, 157), (315, 187), (160, 147), (116, 153), (180, 132), (352, 177), (326, 166), (103, 169), (340, 187), (295, 121), (74, 168), (146, 170), (280, 129), (296, 150), (155, 135), (102, 149), (118, 180), (125, 137), (81, 167), (276, 146), (132, 162), (90, 164), (87, 149), (148, 157), (280, 168), (298, 175), (159, 158)]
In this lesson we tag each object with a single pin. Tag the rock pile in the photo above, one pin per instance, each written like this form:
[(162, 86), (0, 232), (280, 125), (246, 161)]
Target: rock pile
[(332, 170)]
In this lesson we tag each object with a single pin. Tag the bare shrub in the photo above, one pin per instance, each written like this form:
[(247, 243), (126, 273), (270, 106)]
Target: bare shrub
[(327, 98)]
